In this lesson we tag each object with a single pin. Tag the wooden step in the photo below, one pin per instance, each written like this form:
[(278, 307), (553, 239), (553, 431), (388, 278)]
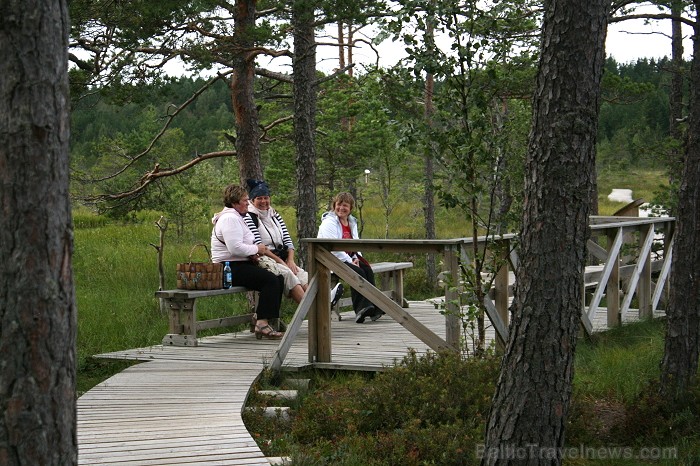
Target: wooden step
[(279, 460), (287, 395), (298, 384)]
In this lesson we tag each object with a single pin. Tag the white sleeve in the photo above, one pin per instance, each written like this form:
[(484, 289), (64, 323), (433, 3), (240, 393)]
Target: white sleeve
[(329, 229), (238, 238)]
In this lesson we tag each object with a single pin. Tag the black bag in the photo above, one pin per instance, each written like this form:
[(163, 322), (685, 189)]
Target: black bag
[(281, 251)]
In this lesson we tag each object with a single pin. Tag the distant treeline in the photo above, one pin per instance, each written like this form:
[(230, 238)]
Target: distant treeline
[(635, 113), (634, 126)]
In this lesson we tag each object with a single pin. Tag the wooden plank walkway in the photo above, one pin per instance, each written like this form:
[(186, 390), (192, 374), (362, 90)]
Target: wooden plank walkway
[(169, 412), (184, 405)]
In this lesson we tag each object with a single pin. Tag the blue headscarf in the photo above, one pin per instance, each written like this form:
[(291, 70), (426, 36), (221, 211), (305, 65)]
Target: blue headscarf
[(257, 188)]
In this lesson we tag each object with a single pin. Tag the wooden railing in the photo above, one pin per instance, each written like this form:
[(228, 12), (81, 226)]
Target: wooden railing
[(628, 262), (620, 273), (316, 301)]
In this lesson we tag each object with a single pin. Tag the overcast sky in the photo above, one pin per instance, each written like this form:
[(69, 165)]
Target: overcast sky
[(626, 42), (650, 41)]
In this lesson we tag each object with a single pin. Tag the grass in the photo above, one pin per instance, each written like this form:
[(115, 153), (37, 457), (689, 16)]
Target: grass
[(643, 183), (619, 362)]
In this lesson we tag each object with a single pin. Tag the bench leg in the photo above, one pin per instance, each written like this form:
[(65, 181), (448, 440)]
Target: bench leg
[(182, 323), (335, 313), (398, 288)]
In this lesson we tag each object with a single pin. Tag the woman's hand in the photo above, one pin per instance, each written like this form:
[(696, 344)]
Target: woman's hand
[(292, 266)]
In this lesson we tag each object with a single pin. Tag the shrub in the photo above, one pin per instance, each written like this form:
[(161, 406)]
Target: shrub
[(426, 410)]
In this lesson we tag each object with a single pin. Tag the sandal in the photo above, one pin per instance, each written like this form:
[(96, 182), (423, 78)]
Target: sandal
[(267, 332)]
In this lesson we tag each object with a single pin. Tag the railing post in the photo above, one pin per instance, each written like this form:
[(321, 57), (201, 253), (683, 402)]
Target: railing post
[(644, 284), (311, 268), (452, 319), (612, 290), (319, 316), (323, 314), (501, 287)]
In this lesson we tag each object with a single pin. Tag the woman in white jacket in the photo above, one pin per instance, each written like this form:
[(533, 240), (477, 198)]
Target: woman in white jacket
[(338, 223), (232, 241)]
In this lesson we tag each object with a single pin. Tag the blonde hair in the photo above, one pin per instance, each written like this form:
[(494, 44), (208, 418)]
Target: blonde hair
[(344, 197)]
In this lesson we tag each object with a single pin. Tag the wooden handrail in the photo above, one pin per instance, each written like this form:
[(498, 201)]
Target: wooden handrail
[(321, 261), (617, 229)]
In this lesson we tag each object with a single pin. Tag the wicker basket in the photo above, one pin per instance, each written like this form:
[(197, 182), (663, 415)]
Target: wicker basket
[(199, 275)]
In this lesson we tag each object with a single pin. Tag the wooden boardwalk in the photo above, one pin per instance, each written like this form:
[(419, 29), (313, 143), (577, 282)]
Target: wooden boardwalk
[(184, 405)]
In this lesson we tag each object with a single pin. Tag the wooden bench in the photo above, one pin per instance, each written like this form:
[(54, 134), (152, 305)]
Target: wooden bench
[(182, 305), (182, 314), (388, 278)]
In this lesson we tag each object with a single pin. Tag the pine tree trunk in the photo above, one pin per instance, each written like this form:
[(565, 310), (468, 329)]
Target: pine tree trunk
[(676, 94), (534, 388), (428, 190), (680, 362), (37, 301), (304, 68), (242, 93)]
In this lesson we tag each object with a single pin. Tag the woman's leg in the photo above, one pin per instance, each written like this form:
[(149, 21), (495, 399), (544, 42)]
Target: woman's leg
[(265, 282), (297, 293), (303, 277), (292, 284), (359, 302), (368, 273)]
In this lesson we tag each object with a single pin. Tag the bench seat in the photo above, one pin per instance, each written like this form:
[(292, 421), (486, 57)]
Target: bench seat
[(390, 275)]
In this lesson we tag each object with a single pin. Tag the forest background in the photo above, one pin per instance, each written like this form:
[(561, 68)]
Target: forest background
[(375, 158), (371, 138)]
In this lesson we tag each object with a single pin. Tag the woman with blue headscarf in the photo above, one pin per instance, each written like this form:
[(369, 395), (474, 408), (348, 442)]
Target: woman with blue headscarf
[(271, 230)]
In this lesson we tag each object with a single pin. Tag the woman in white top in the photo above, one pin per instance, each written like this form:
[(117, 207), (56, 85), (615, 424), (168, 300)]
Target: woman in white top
[(338, 223), (232, 241), (268, 224)]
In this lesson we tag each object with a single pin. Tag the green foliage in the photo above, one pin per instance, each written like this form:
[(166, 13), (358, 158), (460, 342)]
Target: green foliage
[(375, 122), (634, 116), (357, 135), (182, 197), (476, 132), (426, 410)]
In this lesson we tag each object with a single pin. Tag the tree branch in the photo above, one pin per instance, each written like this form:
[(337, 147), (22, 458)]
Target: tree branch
[(169, 118), (277, 122), (265, 73), (338, 72), (154, 175), (682, 19)]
